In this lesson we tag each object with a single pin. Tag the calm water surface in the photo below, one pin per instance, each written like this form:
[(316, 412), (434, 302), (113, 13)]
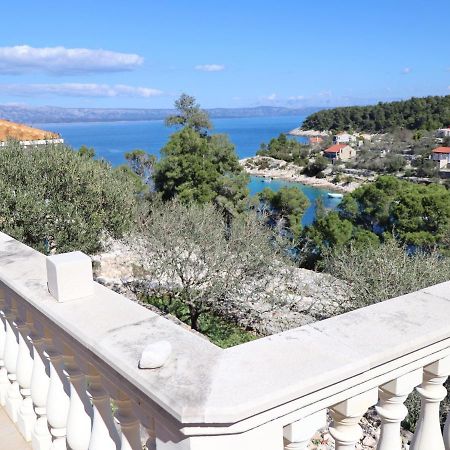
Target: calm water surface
[(111, 140)]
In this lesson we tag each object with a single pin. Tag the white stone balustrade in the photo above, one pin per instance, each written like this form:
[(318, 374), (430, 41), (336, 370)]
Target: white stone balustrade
[(70, 377)]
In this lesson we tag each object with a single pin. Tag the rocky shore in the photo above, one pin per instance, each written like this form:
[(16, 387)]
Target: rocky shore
[(267, 167)]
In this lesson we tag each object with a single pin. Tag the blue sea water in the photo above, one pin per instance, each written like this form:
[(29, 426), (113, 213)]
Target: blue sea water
[(111, 140)]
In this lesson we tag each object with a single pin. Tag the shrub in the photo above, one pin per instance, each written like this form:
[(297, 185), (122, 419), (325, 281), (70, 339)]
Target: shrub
[(56, 200)]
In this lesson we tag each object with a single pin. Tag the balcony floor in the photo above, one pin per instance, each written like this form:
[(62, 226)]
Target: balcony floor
[(10, 438)]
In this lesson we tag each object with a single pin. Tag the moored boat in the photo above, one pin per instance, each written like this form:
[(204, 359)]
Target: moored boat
[(335, 195)]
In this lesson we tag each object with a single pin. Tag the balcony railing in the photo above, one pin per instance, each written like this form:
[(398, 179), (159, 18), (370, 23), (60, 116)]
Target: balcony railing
[(70, 375)]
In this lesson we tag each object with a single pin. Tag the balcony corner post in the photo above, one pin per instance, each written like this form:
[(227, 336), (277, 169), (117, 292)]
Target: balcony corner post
[(298, 434)]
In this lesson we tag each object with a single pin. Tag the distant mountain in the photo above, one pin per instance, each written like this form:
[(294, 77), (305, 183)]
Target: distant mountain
[(53, 114)]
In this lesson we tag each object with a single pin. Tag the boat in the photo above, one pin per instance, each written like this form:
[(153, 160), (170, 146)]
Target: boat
[(335, 195)]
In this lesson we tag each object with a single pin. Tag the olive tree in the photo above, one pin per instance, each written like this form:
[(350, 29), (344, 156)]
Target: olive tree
[(191, 254), (55, 199), (379, 272)]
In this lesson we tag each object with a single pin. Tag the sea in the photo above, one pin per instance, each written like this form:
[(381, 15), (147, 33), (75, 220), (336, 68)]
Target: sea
[(111, 140)]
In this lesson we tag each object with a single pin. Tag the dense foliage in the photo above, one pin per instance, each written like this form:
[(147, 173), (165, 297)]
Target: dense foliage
[(57, 200), (199, 167), (417, 113), (417, 215), (287, 149), (285, 207), (388, 269)]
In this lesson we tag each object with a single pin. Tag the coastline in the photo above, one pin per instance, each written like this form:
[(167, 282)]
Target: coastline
[(290, 172)]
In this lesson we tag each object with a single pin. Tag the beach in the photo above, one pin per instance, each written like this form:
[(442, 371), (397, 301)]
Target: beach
[(279, 169)]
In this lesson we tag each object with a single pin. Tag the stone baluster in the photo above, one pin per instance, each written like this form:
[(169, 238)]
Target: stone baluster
[(4, 382), (345, 428), (447, 432), (79, 420), (391, 408), (26, 417), (40, 380), (297, 435), (104, 434), (428, 431), (13, 397), (148, 423), (57, 398), (129, 424)]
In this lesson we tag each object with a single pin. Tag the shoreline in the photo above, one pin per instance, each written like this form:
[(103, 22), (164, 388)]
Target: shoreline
[(281, 170)]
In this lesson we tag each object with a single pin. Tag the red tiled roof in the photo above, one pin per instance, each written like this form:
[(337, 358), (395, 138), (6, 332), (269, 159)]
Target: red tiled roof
[(441, 150), (336, 148)]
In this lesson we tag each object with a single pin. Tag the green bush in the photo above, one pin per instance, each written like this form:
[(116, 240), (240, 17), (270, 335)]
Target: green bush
[(56, 200)]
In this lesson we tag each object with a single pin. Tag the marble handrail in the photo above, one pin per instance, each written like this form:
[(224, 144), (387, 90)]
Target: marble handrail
[(85, 354)]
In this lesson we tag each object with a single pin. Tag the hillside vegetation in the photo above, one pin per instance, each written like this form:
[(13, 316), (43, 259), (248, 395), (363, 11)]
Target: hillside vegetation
[(427, 113)]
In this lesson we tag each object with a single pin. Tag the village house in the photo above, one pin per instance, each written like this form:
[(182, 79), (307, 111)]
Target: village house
[(342, 152), (344, 138), (26, 135), (443, 132), (441, 155)]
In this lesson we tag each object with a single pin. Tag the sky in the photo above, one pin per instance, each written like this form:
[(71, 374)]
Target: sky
[(144, 53)]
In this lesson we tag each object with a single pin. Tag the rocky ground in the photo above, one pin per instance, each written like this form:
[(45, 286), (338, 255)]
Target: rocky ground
[(309, 295), (267, 167)]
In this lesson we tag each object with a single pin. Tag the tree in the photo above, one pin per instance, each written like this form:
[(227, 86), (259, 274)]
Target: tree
[(56, 200), (200, 168), (189, 115), (377, 273), (286, 205), (427, 113), (141, 163), (417, 215), (286, 149), (315, 167), (192, 256)]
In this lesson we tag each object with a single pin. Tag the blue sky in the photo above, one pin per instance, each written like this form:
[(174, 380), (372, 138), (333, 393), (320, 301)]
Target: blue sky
[(231, 53)]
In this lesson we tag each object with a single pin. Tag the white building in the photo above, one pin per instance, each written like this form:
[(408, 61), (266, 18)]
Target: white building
[(442, 156), (443, 132), (344, 138)]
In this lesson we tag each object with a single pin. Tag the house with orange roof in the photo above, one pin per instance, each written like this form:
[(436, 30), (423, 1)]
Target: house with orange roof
[(341, 152), (441, 155), (26, 135)]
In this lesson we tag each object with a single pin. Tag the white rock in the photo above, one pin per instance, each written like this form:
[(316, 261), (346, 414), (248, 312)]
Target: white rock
[(155, 355)]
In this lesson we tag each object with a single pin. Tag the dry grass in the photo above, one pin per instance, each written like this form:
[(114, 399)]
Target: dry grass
[(18, 131)]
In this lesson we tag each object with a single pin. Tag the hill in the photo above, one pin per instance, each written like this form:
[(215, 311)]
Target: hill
[(12, 130), (51, 114), (427, 113)]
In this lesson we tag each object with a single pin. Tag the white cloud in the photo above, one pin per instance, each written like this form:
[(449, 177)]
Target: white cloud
[(78, 90), (210, 67), (64, 61), (296, 97), (406, 70), (271, 97)]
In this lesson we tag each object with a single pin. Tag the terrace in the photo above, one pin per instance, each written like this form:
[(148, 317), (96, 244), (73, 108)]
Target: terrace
[(70, 377)]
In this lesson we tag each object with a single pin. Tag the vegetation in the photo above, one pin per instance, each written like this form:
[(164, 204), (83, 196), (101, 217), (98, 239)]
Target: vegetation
[(286, 207), (285, 148), (219, 330), (388, 269), (56, 200), (196, 167), (192, 256), (427, 113), (189, 115), (417, 215)]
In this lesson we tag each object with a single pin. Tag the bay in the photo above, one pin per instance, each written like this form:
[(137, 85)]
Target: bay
[(111, 140)]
